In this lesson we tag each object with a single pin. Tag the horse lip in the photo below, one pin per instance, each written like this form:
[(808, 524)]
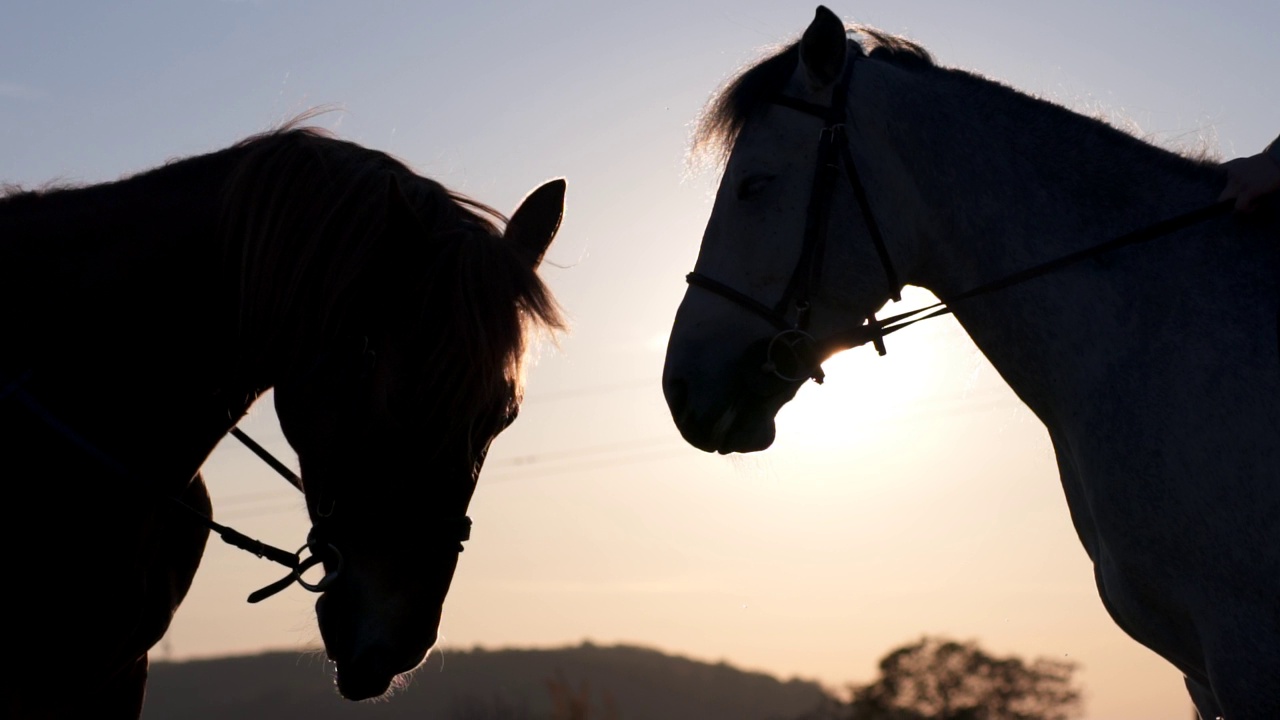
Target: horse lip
[(362, 688), (749, 440), (373, 671), (734, 431), (372, 681), (720, 430), (744, 426)]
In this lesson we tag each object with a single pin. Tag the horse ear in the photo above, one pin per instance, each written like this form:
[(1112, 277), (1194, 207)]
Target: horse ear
[(823, 49), (534, 224)]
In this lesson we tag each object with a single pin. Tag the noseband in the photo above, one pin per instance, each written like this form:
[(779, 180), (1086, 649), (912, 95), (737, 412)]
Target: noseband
[(793, 355)]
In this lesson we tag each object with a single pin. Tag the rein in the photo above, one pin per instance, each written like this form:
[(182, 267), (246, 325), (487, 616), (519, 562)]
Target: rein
[(793, 355), (267, 457), (294, 561), (318, 550), (863, 334)]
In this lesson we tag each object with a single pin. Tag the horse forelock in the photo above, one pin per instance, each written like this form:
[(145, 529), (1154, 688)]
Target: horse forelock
[(303, 214), (485, 304), (755, 88), (480, 302)]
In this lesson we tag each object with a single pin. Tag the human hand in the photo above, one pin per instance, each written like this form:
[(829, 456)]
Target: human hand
[(1251, 178)]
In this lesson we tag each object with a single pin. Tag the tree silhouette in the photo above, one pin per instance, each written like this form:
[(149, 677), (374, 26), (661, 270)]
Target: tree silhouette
[(940, 679)]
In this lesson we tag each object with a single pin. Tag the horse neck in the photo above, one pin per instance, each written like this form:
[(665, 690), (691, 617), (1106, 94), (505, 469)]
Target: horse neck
[(122, 257), (1001, 180), (110, 298), (995, 182)]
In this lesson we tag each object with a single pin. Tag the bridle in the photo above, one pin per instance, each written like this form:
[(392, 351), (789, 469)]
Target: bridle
[(317, 548), (793, 355), (295, 562)]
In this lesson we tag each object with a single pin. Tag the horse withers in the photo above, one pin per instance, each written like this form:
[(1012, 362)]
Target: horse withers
[(142, 319), (856, 165)]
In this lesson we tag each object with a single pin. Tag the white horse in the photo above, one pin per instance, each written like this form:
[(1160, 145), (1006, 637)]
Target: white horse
[(1154, 366)]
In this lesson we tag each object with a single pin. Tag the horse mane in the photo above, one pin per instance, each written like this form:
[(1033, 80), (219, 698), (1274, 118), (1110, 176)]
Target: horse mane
[(303, 217), (752, 91)]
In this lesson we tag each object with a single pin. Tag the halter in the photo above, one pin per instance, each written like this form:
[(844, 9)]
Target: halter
[(803, 353)]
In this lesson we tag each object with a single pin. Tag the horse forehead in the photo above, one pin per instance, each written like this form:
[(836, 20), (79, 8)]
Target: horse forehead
[(777, 142)]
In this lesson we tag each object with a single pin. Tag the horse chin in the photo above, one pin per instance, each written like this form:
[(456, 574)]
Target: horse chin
[(367, 686), (370, 662), (744, 432), (352, 686), (744, 427), (358, 680)]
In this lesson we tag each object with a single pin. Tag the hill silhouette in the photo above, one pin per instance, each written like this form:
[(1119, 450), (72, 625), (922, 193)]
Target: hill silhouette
[(621, 682)]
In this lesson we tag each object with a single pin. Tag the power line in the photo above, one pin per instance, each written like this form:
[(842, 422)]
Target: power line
[(296, 505), (590, 391), (579, 466), (252, 497), (536, 458), (612, 454)]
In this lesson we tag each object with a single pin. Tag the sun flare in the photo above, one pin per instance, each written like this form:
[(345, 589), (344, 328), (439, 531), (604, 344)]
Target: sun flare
[(866, 398)]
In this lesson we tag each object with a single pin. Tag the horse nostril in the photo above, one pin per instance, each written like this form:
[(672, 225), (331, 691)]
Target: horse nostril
[(677, 393)]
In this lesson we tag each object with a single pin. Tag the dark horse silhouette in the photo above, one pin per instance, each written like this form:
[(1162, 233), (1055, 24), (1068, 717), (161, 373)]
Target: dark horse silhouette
[(141, 320)]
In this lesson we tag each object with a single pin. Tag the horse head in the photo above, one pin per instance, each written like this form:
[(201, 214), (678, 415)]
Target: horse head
[(392, 416), (771, 295)]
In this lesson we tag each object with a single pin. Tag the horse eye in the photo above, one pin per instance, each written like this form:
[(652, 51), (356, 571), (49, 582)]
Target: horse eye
[(752, 185)]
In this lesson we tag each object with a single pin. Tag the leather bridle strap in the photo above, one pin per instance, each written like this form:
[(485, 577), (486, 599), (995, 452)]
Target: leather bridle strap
[(863, 334), (267, 457), (229, 535), (869, 218), (1141, 235), (778, 320), (834, 149), (294, 561)]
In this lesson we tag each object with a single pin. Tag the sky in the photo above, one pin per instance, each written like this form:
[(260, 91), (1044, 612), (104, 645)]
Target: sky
[(912, 494)]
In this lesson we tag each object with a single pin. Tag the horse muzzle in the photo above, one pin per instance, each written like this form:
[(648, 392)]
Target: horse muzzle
[(742, 423), (368, 652), (361, 679)]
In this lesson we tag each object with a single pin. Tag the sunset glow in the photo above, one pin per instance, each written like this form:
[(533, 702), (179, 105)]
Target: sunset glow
[(909, 494)]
